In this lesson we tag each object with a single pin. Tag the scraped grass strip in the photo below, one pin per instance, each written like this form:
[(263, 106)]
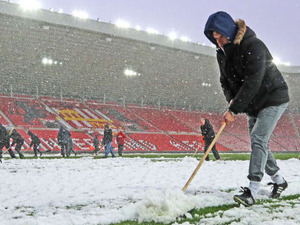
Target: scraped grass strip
[(224, 156)]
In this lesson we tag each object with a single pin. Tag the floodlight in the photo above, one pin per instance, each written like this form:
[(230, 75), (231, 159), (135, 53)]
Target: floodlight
[(80, 14), (206, 84), (29, 4), (50, 61), (122, 24), (60, 11), (130, 73), (185, 39), (172, 35), (276, 60), (152, 31), (137, 27), (45, 60)]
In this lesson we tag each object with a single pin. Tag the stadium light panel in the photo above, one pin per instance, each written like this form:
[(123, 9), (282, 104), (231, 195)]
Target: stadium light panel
[(206, 85), (45, 61), (185, 39), (60, 11), (172, 35), (152, 31), (130, 73), (276, 60), (137, 27), (29, 4), (122, 24), (80, 14)]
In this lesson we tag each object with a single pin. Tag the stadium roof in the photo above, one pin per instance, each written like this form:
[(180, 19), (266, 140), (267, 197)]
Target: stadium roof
[(102, 27), (111, 29)]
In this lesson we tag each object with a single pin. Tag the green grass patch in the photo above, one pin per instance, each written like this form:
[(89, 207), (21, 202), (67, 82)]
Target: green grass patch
[(76, 207), (168, 156), (211, 211)]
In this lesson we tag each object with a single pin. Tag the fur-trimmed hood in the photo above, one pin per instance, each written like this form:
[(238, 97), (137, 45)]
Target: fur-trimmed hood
[(241, 31)]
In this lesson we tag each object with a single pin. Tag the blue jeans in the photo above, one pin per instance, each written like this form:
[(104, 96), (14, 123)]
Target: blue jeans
[(108, 149), (260, 129)]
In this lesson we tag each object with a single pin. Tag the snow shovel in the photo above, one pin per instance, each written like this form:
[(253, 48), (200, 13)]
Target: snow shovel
[(200, 145), (6, 150), (204, 157)]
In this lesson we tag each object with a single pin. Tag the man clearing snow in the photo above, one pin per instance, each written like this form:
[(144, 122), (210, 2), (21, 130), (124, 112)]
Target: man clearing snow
[(120, 140), (252, 84), (107, 141)]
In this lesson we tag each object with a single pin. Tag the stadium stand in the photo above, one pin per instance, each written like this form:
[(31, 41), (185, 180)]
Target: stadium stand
[(161, 120), (159, 142), (76, 114), (193, 141), (27, 112), (285, 127), (84, 86), (81, 140), (3, 119), (122, 117)]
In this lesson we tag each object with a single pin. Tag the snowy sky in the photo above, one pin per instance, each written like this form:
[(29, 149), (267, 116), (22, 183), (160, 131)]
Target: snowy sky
[(276, 22)]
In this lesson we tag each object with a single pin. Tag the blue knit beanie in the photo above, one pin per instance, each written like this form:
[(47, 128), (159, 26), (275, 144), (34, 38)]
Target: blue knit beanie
[(222, 23)]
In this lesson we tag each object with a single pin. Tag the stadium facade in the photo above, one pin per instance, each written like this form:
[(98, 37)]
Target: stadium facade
[(90, 59), (46, 57)]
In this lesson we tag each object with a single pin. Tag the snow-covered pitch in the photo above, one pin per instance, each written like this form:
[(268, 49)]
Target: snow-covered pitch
[(104, 191)]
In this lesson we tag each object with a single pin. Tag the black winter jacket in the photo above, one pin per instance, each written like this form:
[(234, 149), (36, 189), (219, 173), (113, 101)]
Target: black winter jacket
[(63, 136), (248, 75), (4, 136), (207, 130), (17, 138), (107, 137), (34, 139), (96, 141)]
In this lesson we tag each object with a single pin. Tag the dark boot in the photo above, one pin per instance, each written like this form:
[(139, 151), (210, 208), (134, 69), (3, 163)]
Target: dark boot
[(246, 198), (12, 154), (278, 189)]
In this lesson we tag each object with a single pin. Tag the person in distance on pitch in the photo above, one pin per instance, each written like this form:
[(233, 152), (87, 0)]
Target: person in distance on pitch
[(35, 141), (208, 134)]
